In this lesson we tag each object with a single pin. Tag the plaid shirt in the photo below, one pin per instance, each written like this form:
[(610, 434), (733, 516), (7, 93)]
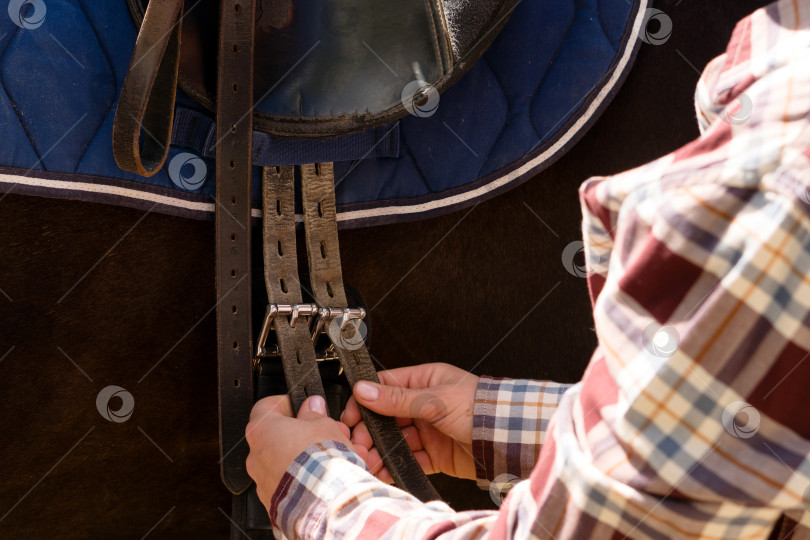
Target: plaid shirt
[(690, 420)]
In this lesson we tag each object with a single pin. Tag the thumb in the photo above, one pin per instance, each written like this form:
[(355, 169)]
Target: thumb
[(399, 401), (312, 408)]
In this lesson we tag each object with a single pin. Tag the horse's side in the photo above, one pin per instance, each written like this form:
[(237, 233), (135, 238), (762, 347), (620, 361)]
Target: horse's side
[(95, 295)]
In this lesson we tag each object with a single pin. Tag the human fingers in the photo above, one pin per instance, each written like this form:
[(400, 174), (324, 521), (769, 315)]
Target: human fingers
[(271, 405), (361, 436), (351, 413), (422, 375), (312, 407), (400, 402)]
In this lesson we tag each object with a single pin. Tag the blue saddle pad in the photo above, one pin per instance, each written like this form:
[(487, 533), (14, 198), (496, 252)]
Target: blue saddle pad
[(545, 79)]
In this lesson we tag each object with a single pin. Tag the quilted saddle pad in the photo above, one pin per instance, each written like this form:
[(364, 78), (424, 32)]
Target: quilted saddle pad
[(544, 80)]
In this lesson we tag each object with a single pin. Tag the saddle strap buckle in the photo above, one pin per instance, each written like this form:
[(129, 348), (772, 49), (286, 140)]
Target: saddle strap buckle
[(293, 311), (327, 315), (321, 318)]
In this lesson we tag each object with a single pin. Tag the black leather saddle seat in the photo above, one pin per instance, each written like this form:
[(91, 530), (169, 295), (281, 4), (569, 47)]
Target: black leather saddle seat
[(329, 68)]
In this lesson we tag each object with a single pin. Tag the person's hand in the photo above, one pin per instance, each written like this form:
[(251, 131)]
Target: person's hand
[(276, 438), (433, 404)]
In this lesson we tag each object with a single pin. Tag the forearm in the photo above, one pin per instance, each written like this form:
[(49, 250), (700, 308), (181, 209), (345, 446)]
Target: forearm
[(328, 493)]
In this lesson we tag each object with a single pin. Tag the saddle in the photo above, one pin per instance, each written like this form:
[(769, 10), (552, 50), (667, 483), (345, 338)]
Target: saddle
[(301, 69), (319, 69)]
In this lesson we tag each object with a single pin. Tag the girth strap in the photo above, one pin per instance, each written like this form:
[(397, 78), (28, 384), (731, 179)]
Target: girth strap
[(281, 280), (147, 97), (233, 168), (326, 276)]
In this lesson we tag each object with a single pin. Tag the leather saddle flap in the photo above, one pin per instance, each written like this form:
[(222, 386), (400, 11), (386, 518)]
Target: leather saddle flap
[(328, 68)]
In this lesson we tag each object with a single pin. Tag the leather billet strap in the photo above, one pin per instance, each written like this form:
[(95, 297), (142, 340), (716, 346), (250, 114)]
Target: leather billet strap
[(147, 97), (326, 276), (281, 280), (233, 205)]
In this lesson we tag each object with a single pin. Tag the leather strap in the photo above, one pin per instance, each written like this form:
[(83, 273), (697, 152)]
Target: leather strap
[(147, 97), (281, 280), (147, 102), (294, 342), (249, 519), (233, 170), (320, 224)]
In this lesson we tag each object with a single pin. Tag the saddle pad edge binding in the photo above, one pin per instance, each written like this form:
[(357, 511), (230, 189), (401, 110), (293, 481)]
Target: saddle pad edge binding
[(108, 190)]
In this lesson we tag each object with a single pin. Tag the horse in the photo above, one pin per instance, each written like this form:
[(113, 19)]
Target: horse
[(95, 296)]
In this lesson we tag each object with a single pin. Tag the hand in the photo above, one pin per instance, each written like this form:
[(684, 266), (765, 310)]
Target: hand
[(433, 404), (276, 438)]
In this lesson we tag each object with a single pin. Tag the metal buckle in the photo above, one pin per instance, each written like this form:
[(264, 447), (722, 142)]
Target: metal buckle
[(321, 317)]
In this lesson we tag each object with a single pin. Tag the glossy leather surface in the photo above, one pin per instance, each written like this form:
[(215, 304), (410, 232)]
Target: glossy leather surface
[(330, 68)]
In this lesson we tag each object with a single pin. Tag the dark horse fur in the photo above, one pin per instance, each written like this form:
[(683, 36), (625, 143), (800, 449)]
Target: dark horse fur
[(95, 295)]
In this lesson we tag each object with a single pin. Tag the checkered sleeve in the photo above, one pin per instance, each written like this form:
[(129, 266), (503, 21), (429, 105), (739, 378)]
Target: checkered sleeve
[(510, 418), (328, 493)]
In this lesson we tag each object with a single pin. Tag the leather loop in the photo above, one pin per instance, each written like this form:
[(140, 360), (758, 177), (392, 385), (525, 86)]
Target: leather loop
[(326, 277), (147, 97), (233, 170), (281, 280)]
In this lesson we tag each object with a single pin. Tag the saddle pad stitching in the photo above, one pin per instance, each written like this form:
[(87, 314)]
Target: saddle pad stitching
[(505, 124), (113, 104), (564, 118), (604, 32), (415, 165), (97, 131), (39, 164), (17, 113)]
